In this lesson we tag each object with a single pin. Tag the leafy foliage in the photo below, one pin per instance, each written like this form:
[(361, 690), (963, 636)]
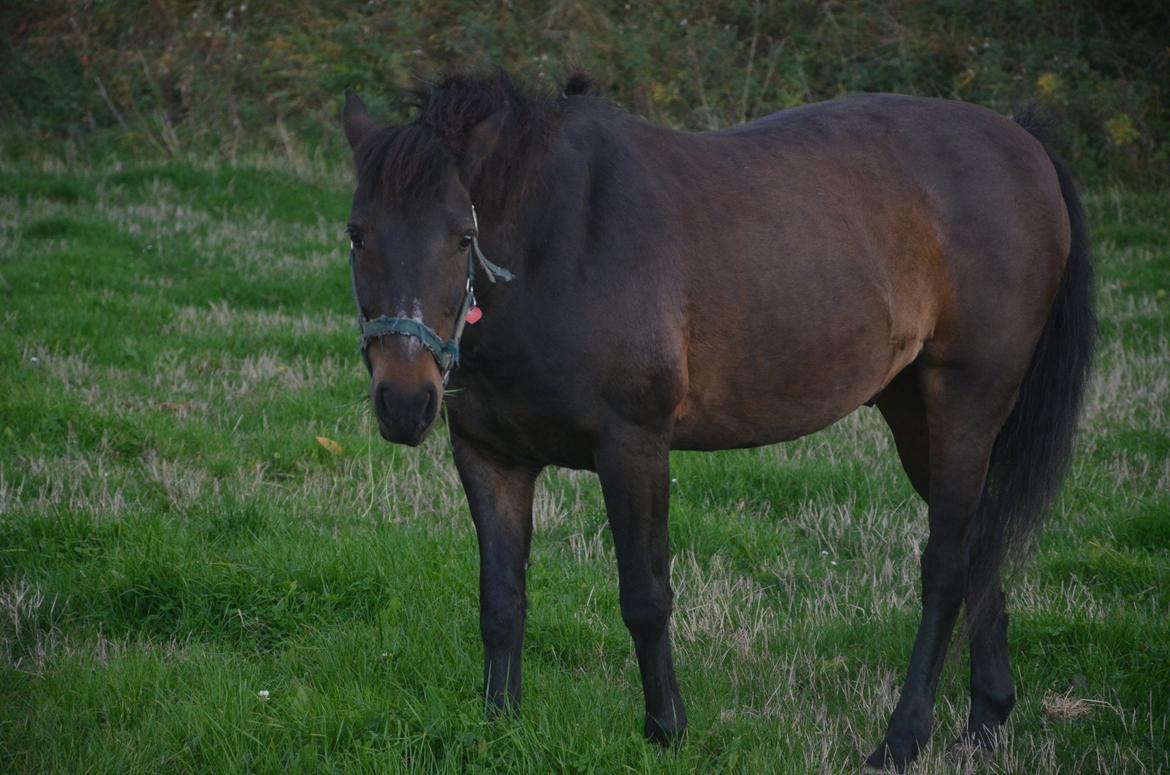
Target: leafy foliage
[(227, 77)]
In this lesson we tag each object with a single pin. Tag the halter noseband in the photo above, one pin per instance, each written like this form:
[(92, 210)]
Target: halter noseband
[(446, 353)]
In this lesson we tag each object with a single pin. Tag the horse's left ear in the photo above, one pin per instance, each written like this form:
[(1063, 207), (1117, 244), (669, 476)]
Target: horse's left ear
[(479, 144), (355, 119)]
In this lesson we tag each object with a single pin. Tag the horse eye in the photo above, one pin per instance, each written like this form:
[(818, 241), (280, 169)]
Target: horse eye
[(355, 239), (465, 240)]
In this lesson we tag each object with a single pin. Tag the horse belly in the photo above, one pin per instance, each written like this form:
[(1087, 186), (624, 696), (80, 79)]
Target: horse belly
[(807, 374)]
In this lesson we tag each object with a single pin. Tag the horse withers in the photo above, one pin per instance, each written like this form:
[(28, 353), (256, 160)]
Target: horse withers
[(657, 290)]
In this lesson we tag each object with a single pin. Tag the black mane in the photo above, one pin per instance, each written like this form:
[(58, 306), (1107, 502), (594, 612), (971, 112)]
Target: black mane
[(407, 164)]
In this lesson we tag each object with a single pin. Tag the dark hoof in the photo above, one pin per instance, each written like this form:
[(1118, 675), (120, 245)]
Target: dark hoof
[(976, 741), (500, 709), (666, 733), (893, 756)]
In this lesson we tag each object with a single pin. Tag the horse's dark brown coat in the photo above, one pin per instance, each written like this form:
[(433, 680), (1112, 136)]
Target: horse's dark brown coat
[(717, 290)]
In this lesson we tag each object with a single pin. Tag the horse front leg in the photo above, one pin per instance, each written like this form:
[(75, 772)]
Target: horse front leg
[(499, 494), (634, 469)]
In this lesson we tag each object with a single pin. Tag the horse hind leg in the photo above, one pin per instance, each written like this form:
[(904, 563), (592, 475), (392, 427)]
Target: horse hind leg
[(964, 409), (992, 693), (904, 412)]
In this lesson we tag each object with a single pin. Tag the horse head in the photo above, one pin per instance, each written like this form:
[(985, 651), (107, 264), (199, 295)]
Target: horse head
[(413, 252)]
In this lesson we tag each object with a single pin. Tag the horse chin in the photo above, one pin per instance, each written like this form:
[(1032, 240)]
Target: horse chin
[(407, 437)]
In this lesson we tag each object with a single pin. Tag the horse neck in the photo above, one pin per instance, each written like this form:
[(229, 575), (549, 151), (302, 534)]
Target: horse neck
[(518, 192)]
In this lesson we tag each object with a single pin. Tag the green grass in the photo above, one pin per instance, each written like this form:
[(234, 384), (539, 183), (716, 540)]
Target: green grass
[(174, 541)]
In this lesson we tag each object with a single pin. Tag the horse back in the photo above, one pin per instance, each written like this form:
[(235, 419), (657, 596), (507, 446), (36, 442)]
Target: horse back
[(756, 284), (818, 251)]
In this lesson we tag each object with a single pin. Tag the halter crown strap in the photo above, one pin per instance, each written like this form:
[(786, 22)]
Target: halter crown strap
[(492, 271), (446, 353)]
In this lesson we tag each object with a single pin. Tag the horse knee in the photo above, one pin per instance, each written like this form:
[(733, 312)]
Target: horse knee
[(647, 614)]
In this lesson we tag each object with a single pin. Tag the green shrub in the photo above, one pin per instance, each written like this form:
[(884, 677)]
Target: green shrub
[(221, 78)]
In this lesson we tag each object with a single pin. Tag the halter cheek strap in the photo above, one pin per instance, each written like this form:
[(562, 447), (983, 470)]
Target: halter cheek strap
[(446, 353)]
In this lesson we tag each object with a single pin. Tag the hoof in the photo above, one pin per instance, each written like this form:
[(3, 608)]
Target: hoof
[(893, 756), (501, 709), (978, 741), (666, 733)]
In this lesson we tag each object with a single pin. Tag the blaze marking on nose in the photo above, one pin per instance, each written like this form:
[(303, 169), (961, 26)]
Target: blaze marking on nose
[(413, 344)]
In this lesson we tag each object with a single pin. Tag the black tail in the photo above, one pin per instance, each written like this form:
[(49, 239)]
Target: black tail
[(1034, 448)]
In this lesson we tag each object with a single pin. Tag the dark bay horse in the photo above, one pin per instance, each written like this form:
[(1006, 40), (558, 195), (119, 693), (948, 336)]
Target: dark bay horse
[(655, 290)]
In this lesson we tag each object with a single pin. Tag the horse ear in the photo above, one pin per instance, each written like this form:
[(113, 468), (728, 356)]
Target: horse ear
[(355, 119), (479, 143)]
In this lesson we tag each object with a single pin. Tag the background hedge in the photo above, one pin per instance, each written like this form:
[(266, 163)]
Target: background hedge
[(175, 76)]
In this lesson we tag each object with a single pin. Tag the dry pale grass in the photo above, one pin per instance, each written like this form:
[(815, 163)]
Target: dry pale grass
[(1065, 707), (220, 318), (588, 547), (75, 480), (419, 486), (28, 632), (860, 437), (11, 218), (254, 248), (881, 574), (714, 602), (560, 498), (1129, 387), (225, 381), (163, 218), (181, 383), (74, 371), (182, 483), (1071, 596)]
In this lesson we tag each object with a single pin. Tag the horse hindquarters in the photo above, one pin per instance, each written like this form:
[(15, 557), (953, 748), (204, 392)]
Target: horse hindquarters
[(1028, 463), (999, 442)]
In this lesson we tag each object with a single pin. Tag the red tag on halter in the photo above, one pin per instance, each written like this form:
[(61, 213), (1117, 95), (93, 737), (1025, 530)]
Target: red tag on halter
[(473, 315)]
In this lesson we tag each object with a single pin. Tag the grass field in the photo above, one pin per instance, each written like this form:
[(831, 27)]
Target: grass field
[(191, 581)]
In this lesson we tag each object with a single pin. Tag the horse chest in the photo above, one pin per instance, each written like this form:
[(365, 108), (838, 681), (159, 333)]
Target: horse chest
[(522, 426)]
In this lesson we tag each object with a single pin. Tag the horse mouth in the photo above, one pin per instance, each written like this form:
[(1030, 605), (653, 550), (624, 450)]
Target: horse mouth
[(410, 437)]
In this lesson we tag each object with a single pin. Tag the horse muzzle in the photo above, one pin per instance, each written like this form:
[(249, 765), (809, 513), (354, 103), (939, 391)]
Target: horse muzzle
[(405, 417)]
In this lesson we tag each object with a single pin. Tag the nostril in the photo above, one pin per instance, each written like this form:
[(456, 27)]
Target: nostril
[(384, 401), (432, 404)]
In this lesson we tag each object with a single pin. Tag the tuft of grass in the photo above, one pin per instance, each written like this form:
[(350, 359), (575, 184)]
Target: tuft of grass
[(189, 579)]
